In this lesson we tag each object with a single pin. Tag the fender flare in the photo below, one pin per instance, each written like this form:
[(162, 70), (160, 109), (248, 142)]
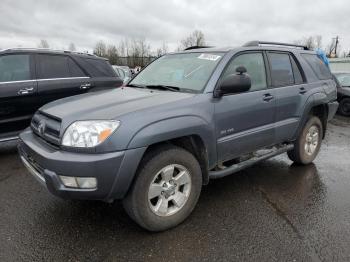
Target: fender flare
[(177, 127), (314, 100)]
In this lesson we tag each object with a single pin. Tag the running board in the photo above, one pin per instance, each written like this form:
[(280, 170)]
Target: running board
[(247, 163)]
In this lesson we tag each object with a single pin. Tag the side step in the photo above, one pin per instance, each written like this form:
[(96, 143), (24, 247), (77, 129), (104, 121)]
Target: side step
[(247, 163)]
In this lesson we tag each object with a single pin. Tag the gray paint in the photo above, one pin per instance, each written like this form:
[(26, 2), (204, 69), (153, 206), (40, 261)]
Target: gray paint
[(229, 126)]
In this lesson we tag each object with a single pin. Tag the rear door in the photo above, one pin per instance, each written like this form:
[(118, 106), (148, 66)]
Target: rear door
[(59, 76), (18, 92), (245, 121), (102, 73), (291, 93)]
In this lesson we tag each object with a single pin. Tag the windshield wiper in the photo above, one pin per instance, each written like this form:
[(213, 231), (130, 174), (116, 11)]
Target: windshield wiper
[(137, 86), (164, 87)]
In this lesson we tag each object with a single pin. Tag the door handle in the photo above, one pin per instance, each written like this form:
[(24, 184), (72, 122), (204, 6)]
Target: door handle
[(268, 97), (302, 90), (26, 91), (85, 86)]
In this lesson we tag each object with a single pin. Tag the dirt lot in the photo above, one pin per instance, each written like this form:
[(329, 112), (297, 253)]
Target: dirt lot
[(274, 211)]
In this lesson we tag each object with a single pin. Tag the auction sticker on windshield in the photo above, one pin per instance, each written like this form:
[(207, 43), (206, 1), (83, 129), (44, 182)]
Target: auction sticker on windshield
[(210, 57)]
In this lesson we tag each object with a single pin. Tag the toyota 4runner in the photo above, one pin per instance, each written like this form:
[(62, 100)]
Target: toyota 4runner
[(188, 117)]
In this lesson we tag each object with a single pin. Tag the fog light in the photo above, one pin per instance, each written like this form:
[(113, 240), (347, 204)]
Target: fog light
[(79, 182), (87, 182), (69, 181)]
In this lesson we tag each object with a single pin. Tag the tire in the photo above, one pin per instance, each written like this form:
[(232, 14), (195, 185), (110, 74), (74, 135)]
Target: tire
[(344, 106), (175, 202), (305, 152)]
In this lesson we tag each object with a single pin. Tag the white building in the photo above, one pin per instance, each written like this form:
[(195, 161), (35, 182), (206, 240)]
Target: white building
[(340, 64)]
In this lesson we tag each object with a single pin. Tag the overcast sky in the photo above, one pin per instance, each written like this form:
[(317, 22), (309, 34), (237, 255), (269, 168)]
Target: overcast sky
[(224, 23)]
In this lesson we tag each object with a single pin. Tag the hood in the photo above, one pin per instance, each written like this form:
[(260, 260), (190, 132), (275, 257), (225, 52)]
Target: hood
[(110, 104)]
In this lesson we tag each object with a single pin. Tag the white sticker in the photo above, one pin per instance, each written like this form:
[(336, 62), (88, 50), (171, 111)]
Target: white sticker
[(209, 57)]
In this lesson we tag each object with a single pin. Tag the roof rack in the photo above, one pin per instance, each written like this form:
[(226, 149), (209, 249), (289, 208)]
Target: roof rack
[(260, 43), (44, 49), (196, 47)]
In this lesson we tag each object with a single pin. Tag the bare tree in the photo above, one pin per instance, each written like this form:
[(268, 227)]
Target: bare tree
[(71, 47), (43, 44), (112, 54), (196, 38), (311, 42), (100, 49), (318, 41)]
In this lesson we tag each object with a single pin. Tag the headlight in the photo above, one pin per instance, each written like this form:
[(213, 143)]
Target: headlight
[(89, 133)]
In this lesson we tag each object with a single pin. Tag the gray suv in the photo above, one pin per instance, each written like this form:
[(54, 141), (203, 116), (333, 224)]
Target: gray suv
[(186, 118)]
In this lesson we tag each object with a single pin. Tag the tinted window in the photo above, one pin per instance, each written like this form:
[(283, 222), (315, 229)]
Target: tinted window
[(52, 66), (74, 69), (14, 68), (318, 66), (281, 69), (99, 67), (298, 79), (254, 63)]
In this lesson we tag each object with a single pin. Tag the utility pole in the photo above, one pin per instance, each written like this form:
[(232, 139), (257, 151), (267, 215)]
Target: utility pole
[(336, 45)]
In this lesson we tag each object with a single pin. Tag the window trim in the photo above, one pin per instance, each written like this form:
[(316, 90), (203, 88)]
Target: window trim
[(289, 57), (234, 57), (32, 74)]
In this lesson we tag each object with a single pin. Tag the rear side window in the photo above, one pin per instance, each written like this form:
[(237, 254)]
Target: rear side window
[(52, 66), (281, 69), (74, 69), (14, 68), (318, 66), (99, 68)]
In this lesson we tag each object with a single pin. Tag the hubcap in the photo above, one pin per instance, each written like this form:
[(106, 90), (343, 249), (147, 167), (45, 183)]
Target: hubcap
[(169, 190), (311, 141)]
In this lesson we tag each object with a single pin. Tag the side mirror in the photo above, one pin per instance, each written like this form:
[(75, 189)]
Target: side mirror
[(235, 83)]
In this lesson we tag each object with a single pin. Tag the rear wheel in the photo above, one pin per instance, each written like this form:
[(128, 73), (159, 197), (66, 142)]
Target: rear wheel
[(308, 144), (344, 106), (166, 190)]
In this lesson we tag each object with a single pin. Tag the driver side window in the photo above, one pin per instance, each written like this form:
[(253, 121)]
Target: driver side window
[(254, 63)]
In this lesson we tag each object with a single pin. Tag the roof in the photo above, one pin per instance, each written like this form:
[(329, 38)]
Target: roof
[(48, 51)]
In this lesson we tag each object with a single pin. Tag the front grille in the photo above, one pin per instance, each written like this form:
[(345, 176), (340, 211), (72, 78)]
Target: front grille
[(46, 127)]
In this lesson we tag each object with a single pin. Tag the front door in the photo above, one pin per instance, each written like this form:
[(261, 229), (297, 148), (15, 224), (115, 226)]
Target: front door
[(18, 92), (245, 121)]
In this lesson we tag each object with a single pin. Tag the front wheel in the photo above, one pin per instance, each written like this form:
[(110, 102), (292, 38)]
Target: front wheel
[(167, 187), (308, 144)]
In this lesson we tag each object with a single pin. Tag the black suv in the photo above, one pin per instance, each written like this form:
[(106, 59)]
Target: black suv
[(30, 78)]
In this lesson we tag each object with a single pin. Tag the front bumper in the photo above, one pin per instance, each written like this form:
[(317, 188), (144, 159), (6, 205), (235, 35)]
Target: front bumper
[(113, 171)]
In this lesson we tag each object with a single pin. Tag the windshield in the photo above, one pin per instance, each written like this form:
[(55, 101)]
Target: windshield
[(189, 72), (343, 78)]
